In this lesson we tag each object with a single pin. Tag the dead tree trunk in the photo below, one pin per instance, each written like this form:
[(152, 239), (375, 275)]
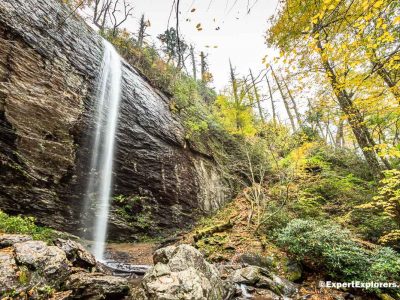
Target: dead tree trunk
[(193, 62), (296, 111), (339, 142), (284, 100), (272, 99), (257, 96)]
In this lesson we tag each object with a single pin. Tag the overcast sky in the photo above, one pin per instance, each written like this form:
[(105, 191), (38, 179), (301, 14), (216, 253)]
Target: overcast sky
[(240, 37)]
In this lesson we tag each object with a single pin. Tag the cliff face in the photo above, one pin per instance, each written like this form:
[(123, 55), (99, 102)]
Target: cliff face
[(49, 61)]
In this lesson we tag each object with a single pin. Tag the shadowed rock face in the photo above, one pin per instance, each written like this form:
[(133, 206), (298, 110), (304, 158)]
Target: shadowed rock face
[(49, 61)]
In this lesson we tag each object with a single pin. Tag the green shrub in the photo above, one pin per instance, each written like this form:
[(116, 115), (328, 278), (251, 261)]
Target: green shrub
[(328, 246), (24, 225)]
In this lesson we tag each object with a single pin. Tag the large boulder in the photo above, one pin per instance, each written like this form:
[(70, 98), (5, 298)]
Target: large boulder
[(51, 261), (180, 272), (262, 278), (95, 286), (76, 253)]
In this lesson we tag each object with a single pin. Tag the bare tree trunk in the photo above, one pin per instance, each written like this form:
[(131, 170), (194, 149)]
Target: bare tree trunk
[(257, 98), (339, 135), (178, 42), (203, 66), (284, 100), (329, 133), (235, 94), (142, 29), (193, 62), (272, 99), (296, 111)]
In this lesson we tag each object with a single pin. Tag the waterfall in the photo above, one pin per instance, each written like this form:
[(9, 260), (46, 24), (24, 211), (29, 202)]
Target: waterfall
[(99, 188)]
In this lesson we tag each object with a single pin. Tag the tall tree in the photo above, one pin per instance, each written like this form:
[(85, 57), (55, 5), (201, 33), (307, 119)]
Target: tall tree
[(143, 24), (193, 58), (294, 104), (285, 102), (274, 116), (257, 97), (335, 37)]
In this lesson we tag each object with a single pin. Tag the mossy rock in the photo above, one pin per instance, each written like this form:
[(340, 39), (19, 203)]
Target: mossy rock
[(293, 271)]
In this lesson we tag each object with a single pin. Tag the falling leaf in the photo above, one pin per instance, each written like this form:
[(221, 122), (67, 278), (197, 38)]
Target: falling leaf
[(218, 28), (198, 25), (193, 10)]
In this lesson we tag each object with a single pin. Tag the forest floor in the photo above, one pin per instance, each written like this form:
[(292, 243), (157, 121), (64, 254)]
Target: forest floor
[(136, 254)]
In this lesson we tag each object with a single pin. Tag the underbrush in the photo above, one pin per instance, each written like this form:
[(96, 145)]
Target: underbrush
[(25, 225), (327, 247)]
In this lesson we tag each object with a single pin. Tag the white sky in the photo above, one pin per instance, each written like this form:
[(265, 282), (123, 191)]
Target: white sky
[(240, 38)]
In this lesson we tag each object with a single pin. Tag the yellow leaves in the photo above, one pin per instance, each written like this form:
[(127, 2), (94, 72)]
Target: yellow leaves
[(379, 22), (369, 17), (324, 57), (331, 7), (365, 4), (378, 4), (396, 20), (386, 150)]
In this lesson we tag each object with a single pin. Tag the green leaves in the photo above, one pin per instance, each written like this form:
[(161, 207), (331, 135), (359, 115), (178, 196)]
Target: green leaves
[(335, 249)]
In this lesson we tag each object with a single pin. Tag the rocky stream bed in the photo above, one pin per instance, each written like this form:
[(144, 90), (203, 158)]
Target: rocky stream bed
[(31, 269)]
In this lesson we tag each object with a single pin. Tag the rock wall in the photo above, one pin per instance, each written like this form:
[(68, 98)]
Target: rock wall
[(49, 62)]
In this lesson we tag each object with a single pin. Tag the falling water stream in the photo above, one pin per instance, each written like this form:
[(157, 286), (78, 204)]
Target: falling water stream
[(99, 188)]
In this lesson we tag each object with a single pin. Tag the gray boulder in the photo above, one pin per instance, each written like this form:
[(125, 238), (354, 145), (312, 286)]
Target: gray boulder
[(95, 286), (180, 272), (262, 278), (76, 253), (51, 261)]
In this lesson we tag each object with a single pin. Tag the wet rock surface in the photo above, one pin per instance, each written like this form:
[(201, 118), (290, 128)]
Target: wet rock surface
[(36, 270), (96, 286), (49, 61), (76, 253), (180, 272)]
